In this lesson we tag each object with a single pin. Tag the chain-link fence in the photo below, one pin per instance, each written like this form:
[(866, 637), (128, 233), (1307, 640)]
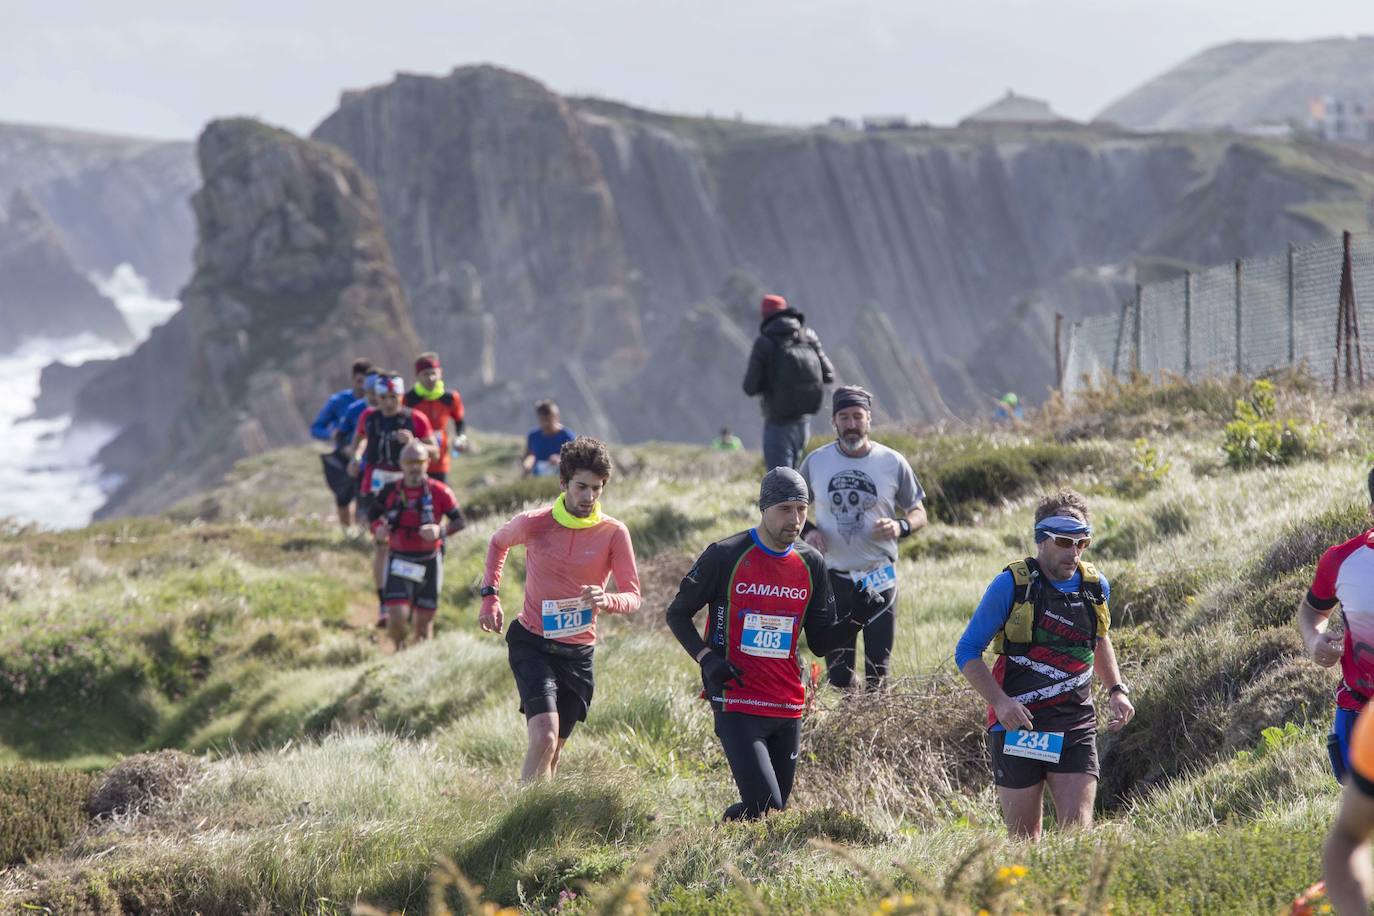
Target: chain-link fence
[(1244, 318)]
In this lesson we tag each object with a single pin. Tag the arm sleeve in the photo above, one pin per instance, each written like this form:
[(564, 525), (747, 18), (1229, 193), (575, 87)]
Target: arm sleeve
[(457, 413), (823, 631), (695, 592), (990, 617), (327, 420), (626, 598), (446, 504), (1322, 594), (909, 490), (757, 373), (507, 536)]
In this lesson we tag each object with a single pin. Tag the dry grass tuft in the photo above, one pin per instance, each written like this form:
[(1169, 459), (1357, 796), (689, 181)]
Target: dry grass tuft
[(138, 783)]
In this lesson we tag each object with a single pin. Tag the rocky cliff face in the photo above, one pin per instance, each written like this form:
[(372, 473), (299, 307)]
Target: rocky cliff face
[(293, 278), (114, 199), (42, 293)]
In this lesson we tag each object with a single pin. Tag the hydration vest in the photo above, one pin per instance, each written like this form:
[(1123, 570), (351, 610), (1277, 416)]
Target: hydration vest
[(1018, 633), (382, 451), (394, 499)]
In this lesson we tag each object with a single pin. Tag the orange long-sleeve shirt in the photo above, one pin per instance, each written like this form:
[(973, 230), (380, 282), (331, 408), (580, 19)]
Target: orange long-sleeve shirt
[(559, 561)]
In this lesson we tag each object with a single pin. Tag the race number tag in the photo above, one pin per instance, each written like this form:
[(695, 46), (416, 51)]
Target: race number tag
[(1046, 746), (766, 635), (880, 578), (381, 478), (566, 617), (415, 572)]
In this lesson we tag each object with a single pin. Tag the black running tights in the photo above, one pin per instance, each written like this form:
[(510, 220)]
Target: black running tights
[(762, 752)]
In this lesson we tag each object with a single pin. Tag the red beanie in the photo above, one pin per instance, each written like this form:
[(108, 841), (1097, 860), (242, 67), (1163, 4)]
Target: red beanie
[(426, 362), (771, 305)]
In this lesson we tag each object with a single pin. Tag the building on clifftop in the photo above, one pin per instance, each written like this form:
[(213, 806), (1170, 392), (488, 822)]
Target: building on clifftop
[(1015, 109)]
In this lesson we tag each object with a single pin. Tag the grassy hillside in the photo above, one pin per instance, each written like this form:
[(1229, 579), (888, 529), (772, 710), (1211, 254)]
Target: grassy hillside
[(299, 768)]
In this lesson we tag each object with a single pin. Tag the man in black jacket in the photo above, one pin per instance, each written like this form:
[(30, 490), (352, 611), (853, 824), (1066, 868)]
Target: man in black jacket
[(788, 367)]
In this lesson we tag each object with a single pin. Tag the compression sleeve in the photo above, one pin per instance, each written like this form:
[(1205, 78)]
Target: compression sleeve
[(626, 598), (507, 536), (696, 590), (989, 618)]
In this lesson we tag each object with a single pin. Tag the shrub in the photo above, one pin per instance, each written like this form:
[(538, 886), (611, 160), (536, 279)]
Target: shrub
[(656, 528), (138, 783), (1303, 541), (40, 810), (1255, 437), (509, 498), (1147, 470), (990, 473)]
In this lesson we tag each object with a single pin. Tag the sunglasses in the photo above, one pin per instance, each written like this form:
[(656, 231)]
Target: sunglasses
[(1063, 540)]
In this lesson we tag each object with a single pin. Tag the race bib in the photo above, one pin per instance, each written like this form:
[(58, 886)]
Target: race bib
[(566, 617), (1046, 746), (381, 478), (880, 578), (406, 569), (766, 635)]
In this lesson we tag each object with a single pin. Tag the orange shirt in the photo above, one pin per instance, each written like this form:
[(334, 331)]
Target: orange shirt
[(448, 406)]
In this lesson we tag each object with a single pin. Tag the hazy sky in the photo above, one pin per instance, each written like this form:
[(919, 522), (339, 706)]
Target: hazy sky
[(161, 68)]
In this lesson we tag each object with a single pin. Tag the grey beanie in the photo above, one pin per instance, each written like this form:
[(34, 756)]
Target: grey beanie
[(782, 485), (850, 396)]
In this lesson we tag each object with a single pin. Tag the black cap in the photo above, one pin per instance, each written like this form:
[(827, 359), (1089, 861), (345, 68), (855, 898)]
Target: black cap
[(782, 485)]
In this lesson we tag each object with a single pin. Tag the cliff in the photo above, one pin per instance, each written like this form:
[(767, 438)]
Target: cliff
[(293, 278), (42, 293)]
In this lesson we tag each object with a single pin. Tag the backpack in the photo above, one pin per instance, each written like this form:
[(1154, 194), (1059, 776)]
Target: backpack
[(1018, 631), (796, 384)]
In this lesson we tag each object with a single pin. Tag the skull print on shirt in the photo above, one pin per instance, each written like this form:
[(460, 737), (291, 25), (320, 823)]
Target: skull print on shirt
[(852, 495)]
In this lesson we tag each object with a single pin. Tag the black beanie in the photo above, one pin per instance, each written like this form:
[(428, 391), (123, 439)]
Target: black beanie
[(850, 396), (782, 485)]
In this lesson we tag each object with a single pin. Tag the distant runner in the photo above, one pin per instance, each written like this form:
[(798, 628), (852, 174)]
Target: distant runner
[(571, 550), (1345, 857), (543, 443), (865, 498), (331, 425), (441, 406), (413, 515), (761, 590), (1047, 617), (1345, 575), (381, 434)]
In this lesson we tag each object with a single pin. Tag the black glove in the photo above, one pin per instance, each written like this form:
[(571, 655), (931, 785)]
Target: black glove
[(716, 672), (869, 602)]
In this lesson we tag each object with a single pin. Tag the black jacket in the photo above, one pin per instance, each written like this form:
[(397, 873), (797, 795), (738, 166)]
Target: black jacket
[(776, 329)]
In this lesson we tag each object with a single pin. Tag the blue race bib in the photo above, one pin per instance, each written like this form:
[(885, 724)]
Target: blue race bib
[(880, 578), (766, 635), (1046, 746), (565, 618)]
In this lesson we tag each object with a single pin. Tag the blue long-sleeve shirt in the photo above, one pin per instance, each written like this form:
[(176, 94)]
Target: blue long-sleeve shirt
[(350, 423), (331, 415), (995, 608)]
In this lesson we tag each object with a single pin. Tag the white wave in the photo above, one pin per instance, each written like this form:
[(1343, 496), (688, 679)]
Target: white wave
[(50, 477)]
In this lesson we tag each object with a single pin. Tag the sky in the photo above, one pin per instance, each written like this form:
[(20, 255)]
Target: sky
[(160, 68)]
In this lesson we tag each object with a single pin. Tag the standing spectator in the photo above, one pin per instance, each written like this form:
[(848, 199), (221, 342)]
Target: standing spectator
[(788, 367), (726, 441), (544, 441)]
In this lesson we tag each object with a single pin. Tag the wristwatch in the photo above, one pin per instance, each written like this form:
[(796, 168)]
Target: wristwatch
[(905, 527), (487, 591), (1121, 689)]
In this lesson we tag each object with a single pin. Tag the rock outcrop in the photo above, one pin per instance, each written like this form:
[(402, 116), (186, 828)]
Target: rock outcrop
[(42, 293), (293, 278)]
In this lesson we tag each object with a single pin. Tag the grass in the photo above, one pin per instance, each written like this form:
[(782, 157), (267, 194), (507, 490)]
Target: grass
[(326, 773)]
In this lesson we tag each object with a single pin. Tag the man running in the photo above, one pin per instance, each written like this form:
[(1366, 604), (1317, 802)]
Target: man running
[(1345, 856), (331, 425), (762, 590), (441, 406), (866, 497), (543, 444), (381, 434), (1047, 617), (570, 551), (1345, 575), (406, 515)]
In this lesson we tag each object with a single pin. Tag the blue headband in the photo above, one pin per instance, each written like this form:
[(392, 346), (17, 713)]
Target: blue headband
[(1061, 524)]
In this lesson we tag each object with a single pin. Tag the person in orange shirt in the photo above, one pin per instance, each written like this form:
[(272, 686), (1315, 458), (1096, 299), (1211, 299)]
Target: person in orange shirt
[(1345, 856), (571, 550), (441, 406)]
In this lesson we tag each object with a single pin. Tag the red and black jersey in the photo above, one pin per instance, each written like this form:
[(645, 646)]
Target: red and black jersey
[(383, 449), (407, 508), (759, 603)]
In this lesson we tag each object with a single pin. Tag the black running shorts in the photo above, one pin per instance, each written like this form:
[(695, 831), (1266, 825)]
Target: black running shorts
[(1011, 772), (551, 676), (423, 594), (336, 475)]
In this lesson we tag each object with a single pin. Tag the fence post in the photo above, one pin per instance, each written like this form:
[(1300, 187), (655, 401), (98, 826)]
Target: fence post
[(1058, 354), (1135, 357), (1188, 325), (1292, 316), (1120, 335), (1240, 308)]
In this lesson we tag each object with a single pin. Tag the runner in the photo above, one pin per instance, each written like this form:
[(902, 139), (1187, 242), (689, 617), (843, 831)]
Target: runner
[(866, 497), (1345, 857), (763, 590), (381, 434), (331, 425), (543, 443), (570, 551), (1345, 574), (440, 406), (1049, 640), (406, 516)]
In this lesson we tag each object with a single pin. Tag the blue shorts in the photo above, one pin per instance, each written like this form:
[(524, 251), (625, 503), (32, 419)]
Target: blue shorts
[(1338, 742)]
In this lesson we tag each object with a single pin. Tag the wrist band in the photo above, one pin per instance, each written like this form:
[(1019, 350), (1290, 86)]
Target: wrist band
[(905, 526)]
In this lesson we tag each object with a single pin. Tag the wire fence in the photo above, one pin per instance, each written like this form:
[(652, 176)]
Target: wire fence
[(1246, 318)]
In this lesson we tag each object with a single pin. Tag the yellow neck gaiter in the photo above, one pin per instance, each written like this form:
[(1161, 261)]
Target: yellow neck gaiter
[(430, 394), (568, 520)]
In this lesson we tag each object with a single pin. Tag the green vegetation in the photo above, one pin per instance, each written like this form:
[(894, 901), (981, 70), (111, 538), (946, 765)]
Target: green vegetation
[(1256, 436), (195, 714)]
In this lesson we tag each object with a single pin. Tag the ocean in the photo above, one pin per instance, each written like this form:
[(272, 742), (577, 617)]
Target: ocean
[(50, 477)]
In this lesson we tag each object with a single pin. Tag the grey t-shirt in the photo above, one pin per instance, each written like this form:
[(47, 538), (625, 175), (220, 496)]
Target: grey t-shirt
[(849, 494)]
